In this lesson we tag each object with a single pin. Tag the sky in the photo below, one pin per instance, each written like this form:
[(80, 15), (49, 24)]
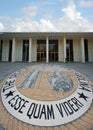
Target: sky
[(46, 16)]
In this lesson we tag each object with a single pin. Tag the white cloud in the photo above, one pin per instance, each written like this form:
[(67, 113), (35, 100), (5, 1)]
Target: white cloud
[(86, 3), (71, 12), (30, 11), (23, 25), (46, 25), (71, 21), (1, 27)]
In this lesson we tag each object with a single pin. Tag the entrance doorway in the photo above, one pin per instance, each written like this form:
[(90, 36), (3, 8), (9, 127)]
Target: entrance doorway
[(53, 50), (10, 51), (41, 50), (86, 49), (25, 50), (69, 50), (1, 44)]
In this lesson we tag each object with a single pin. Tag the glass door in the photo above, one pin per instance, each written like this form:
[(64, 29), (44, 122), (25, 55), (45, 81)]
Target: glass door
[(41, 50), (53, 50), (69, 50)]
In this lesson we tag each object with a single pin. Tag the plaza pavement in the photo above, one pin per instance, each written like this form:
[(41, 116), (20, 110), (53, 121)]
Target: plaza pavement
[(85, 122), (7, 68)]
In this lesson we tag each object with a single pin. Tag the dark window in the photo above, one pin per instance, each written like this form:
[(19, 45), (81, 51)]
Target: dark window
[(10, 51), (86, 49), (1, 44), (25, 50)]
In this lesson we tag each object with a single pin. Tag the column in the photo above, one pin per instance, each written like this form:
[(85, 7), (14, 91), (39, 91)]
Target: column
[(47, 49), (64, 42), (30, 47), (13, 49), (82, 50)]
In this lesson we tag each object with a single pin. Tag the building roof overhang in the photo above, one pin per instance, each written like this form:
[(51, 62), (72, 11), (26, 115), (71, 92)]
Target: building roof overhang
[(43, 35)]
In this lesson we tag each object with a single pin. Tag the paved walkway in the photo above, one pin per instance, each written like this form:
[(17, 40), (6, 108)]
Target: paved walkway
[(7, 68), (8, 122)]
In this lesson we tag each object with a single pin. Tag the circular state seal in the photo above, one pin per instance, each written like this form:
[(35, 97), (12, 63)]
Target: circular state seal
[(46, 95)]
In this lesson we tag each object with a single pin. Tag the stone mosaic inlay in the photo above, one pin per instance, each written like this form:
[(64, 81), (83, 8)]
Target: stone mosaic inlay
[(46, 95)]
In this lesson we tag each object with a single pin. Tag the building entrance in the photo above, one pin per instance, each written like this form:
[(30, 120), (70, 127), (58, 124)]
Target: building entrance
[(53, 50), (25, 50), (41, 50), (69, 50)]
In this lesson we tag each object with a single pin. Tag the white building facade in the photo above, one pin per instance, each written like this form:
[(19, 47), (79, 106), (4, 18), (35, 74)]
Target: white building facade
[(46, 46)]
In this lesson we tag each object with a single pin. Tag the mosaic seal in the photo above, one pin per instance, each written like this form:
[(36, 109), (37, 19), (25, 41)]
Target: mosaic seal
[(46, 95)]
